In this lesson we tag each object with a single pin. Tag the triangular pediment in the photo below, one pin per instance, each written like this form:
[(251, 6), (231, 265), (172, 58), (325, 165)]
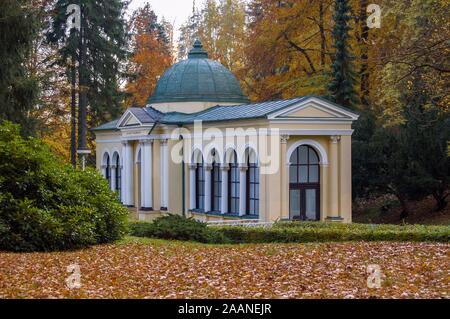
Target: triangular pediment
[(310, 111), (314, 109), (128, 120), (134, 117)]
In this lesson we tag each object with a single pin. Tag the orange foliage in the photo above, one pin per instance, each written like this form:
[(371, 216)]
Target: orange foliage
[(151, 57)]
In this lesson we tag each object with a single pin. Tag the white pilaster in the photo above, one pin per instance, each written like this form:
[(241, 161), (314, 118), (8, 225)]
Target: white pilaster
[(208, 169), (164, 173), (242, 190), (333, 191), (161, 172), (192, 188), (224, 168), (127, 178), (113, 177), (147, 174), (103, 167)]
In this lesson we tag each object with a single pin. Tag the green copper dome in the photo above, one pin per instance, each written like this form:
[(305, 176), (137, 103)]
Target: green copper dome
[(198, 79)]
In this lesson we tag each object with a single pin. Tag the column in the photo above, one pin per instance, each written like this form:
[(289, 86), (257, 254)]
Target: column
[(208, 169), (284, 168), (333, 191), (242, 189), (113, 177), (192, 188), (147, 175), (166, 174), (224, 207), (127, 178), (161, 172), (103, 168)]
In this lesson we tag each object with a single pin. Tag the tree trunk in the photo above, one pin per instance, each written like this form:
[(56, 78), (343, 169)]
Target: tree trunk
[(73, 116), (441, 200), (82, 145), (323, 43), (403, 203)]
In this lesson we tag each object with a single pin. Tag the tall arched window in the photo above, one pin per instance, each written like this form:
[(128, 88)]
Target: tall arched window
[(216, 184), (118, 177), (304, 184), (200, 186), (233, 185), (252, 185)]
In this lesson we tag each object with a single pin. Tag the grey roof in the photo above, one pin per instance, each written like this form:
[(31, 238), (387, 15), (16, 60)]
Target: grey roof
[(198, 79), (107, 126), (227, 113), (146, 115), (218, 113)]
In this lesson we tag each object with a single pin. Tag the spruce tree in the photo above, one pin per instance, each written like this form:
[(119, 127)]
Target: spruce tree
[(341, 87), (100, 61), (18, 89)]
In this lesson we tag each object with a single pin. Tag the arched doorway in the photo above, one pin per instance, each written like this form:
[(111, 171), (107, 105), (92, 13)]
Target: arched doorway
[(304, 184)]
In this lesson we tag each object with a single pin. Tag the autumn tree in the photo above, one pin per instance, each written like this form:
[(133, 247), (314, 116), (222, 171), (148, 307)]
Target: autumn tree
[(188, 33), (414, 38), (151, 55), (287, 48), (220, 25)]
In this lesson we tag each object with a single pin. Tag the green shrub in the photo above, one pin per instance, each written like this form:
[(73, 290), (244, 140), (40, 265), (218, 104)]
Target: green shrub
[(177, 228), (47, 205), (295, 232)]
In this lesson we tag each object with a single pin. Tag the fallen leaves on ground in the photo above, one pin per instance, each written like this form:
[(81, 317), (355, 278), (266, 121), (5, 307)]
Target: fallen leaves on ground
[(159, 269)]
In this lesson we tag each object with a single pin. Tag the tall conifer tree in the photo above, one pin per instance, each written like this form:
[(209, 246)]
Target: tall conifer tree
[(104, 42), (342, 85), (18, 89)]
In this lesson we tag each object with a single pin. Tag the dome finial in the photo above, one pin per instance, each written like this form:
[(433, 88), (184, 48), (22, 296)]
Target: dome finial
[(197, 52)]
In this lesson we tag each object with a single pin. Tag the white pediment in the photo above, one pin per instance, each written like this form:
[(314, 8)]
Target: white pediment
[(314, 109), (128, 120)]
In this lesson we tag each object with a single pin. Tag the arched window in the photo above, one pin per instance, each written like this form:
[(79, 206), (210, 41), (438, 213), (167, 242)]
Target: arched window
[(216, 184), (233, 185), (118, 177), (304, 184), (200, 186), (252, 185)]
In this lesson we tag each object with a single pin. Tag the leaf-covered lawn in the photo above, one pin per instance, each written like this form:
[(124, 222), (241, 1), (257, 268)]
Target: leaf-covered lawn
[(142, 268)]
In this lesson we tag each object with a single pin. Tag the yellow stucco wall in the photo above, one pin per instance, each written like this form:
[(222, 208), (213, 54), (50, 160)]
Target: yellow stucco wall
[(274, 188)]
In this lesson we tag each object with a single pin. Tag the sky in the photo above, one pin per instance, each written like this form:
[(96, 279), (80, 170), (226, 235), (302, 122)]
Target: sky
[(174, 11)]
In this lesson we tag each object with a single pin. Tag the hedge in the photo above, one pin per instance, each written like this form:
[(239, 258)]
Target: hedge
[(296, 232), (178, 228)]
